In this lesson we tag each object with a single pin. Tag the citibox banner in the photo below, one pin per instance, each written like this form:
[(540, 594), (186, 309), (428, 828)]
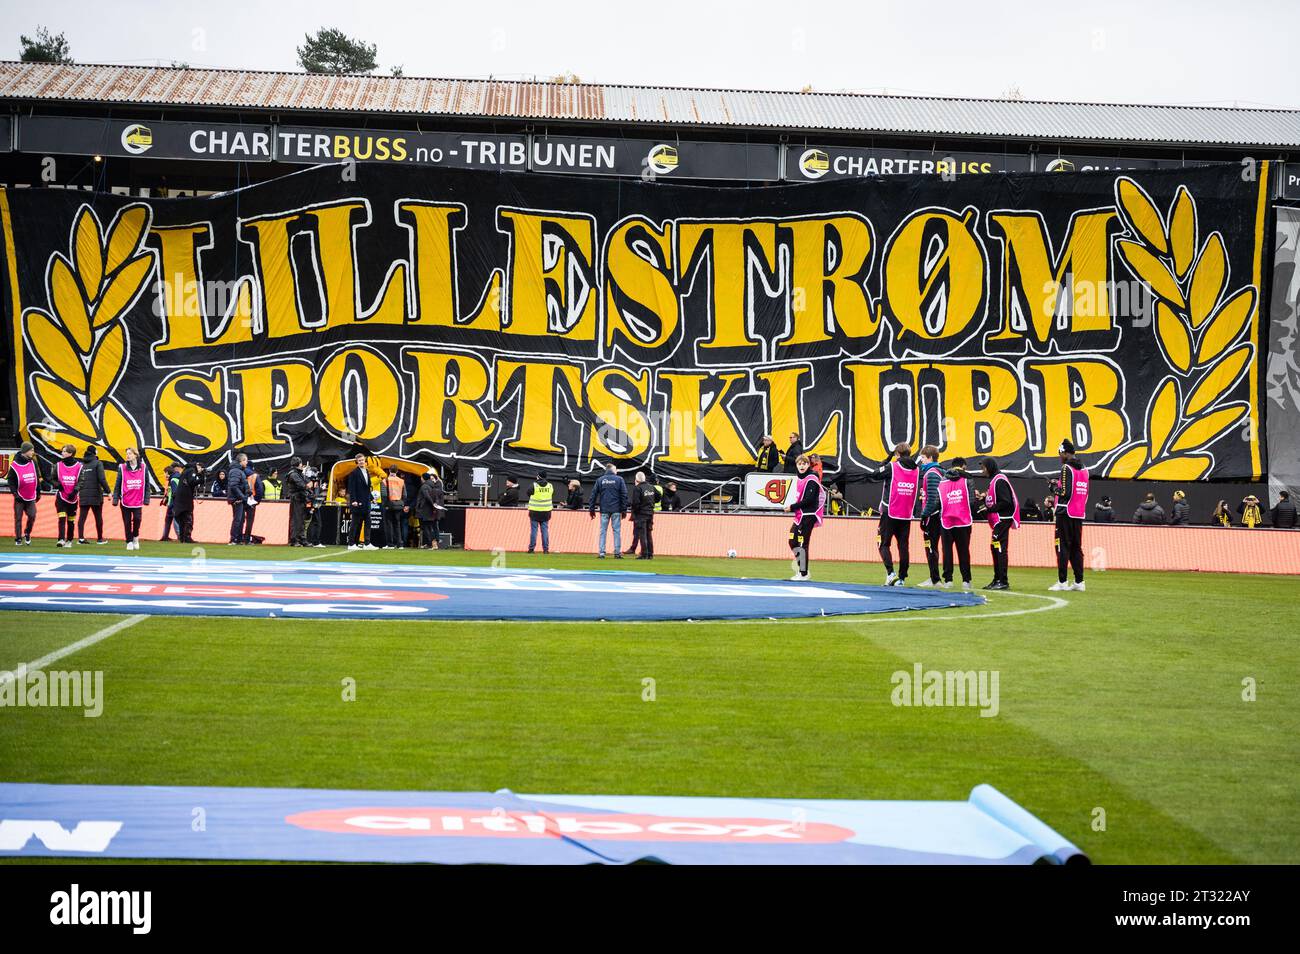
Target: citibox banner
[(524, 322)]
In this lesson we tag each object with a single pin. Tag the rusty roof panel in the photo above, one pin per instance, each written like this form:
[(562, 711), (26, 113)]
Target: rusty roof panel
[(499, 99)]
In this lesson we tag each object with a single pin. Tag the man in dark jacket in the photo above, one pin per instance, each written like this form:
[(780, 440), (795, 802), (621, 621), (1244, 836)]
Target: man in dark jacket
[(643, 516), (359, 501), (792, 454), (429, 508), (671, 502), (1149, 512), (92, 484), (1283, 514), (610, 494), (188, 484), (237, 493), (1103, 512), (295, 491)]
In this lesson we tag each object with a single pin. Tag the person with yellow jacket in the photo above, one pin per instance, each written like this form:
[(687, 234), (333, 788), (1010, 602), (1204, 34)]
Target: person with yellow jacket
[(540, 504)]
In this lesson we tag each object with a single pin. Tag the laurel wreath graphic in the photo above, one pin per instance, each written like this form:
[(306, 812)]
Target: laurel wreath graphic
[(81, 342), (1197, 324)]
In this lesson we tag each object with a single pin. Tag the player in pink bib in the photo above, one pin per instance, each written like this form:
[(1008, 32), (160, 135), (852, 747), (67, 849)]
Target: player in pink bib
[(132, 495), (1071, 490), (956, 512), (1002, 508), (897, 505), (25, 484), (809, 507), (67, 476)]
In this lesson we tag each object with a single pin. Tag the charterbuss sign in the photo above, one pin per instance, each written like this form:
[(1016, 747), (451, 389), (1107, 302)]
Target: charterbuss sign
[(808, 163), (156, 140), (457, 150)]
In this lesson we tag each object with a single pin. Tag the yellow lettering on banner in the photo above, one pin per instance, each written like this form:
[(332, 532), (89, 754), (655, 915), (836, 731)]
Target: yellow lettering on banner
[(537, 399), (617, 413), (336, 256), (275, 270), (964, 410), (1099, 382), (630, 275), (825, 295), (867, 426), (1031, 275), (544, 277), (268, 390), (184, 324), (783, 389), (432, 226), (206, 422), (449, 387), (375, 385), (934, 277), (729, 245), (689, 421)]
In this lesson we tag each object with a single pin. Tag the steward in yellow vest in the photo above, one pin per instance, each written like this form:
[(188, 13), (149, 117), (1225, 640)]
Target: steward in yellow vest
[(540, 503)]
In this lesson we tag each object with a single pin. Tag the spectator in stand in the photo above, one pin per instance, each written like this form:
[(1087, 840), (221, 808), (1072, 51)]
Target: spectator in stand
[(671, 501), (1251, 516), (1031, 511), (767, 457), (219, 485), (510, 496), (1283, 514), (794, 452), (574, 502), (1221, 516), (1149, 512), (1180, 515), (1103, 512)]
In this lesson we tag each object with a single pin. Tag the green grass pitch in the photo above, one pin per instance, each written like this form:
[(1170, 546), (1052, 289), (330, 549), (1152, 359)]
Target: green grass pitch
[(1128, 699)]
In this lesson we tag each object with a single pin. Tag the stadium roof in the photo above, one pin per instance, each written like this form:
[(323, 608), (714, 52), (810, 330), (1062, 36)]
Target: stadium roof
[(589, 102)]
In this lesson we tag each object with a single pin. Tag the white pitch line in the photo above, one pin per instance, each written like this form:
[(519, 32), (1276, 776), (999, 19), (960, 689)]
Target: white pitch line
[(317, 556), (1054, 603), (71, 648)]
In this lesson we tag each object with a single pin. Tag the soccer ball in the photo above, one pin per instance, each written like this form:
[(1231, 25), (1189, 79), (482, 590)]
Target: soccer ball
[(731, 554)]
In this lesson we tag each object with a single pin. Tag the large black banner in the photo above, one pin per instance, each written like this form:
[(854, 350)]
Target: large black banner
[(563, 322)]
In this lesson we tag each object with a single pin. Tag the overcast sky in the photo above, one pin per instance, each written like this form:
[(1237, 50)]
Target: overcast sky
[(1241, 52)]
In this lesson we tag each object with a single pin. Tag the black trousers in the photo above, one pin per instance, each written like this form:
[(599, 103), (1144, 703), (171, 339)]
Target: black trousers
[(131, 521), (394, 527), (1069, 545), (297, 522), (237, 509), (67, 511), (958, 538), (250, 514), (1000, 547), (892, 529), (643, 535), (800, 539), (23, 508), (359, 517), (98, 511), (185, 526), (428, 531), (168, 517), (932, 529)]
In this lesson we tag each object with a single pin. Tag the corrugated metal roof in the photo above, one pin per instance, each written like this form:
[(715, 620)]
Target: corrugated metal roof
[(586, 102)]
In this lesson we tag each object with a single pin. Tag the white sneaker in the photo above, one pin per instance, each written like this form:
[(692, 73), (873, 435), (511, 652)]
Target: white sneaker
[(370, 546), (925, 585), (798, 578), (1057, 587), (1077, 587), (891, 579), (898, 582), (353, 546), (966, 585), (946, 584)]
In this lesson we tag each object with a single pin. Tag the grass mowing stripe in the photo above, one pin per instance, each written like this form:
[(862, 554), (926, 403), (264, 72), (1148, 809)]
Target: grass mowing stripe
[(71, 648)]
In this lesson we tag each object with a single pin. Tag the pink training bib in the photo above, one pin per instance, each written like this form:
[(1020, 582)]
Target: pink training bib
[(68, 476), (954, 503), (994, 516), (1077, 505), (28, 480), (132, 486), (901, 499), (821, 497)]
